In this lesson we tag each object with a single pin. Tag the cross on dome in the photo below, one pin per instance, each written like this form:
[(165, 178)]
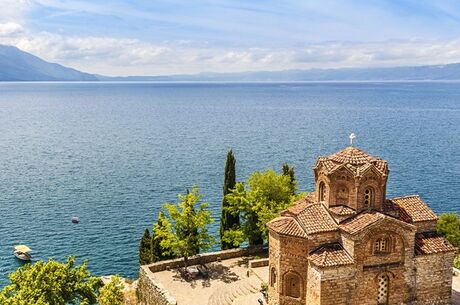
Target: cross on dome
[(352, 139)]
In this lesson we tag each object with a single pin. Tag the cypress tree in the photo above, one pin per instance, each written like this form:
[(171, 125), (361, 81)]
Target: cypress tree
[(289, 171), (145, 249), (228, 220)]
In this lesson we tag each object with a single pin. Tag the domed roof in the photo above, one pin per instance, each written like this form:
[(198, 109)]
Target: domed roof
[(355, 159), (352, 155)]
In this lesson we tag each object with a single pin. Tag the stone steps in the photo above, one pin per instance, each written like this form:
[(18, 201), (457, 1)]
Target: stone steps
[(226, 294)]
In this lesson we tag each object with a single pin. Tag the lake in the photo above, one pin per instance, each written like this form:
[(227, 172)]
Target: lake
[(113, 153)]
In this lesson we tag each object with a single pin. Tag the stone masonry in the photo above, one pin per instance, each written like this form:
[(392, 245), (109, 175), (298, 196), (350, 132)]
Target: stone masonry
[(346, 243)]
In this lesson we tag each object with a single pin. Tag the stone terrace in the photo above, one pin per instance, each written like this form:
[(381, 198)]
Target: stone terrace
[(229, 281)]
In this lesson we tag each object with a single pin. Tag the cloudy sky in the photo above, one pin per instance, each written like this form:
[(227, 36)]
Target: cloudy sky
[(152, 37)]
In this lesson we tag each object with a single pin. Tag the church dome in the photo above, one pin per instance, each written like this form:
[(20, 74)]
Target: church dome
[(354, 159), (352, 155)]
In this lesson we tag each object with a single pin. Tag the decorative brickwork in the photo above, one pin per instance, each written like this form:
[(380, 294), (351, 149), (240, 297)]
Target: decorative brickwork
[(347, 244)]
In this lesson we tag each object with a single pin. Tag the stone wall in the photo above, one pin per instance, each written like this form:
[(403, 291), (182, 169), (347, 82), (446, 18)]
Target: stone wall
[(152, 292), (426, 226), (337, 285), (434, 278), (206, 258)]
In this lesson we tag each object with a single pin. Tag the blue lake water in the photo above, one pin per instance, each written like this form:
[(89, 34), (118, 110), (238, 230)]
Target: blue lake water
[(112, 153)]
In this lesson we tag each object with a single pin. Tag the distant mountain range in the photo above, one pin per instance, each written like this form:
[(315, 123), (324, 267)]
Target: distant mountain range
[(17, 65)]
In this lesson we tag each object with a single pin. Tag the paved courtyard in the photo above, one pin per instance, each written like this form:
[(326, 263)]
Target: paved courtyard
[(229, 282)]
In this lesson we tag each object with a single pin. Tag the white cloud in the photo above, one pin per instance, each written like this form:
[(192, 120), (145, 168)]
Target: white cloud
[(10, 28), (118, 56), (13, 10)]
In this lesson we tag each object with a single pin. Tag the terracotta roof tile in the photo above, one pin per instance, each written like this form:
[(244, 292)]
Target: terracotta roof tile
[(315, 219), (381, 165), (413, 209), (330, 165), (361, 221), (330, 255), (355, 160), (342, 210), (300, 205), (431, 242), (352, 155), (286, 226)]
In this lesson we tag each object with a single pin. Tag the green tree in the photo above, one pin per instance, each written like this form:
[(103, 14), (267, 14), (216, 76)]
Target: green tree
[(145, 249), (51, 283), (159, 252), (112, 292), (258, 201), (228, 220), (449, 227), (189, 233), (289, 171)]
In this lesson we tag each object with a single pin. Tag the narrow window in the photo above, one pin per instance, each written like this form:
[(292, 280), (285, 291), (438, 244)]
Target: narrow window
[(368, 197), (381, 246), (382, 297), (322, 191), (273, 277)]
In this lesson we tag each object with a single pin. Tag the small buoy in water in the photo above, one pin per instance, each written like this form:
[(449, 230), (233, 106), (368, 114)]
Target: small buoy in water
[(75, 219)]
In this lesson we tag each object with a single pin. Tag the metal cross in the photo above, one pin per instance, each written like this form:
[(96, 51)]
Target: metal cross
[(352, 139)]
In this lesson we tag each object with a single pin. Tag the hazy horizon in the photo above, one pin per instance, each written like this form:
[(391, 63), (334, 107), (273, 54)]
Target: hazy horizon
[(122, 38)]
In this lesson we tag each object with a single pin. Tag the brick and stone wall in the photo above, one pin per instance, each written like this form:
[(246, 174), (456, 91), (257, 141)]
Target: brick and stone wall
[(336, 285), (433, 281), (150, 291)]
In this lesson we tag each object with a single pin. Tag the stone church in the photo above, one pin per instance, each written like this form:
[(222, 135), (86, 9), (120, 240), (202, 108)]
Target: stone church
[(347, 243)]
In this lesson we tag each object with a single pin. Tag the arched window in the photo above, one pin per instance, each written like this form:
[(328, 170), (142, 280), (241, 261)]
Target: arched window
[(293, 284), (368, 197), (383, 289), (273, 277), (322, 191), (381, 245)]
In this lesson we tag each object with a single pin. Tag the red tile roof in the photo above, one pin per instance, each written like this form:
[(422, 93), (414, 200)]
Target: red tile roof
[(431, 242), (413, 209), (316, 219), (361, 221), (300, 205), (342, 210), (355, 159), (330, 255), (352, 155), (286, 226)]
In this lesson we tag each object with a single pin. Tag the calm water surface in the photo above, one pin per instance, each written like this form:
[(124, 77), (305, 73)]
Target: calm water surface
[(113, 153)]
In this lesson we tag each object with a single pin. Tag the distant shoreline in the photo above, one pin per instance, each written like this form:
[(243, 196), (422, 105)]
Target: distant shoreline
[(230, 82)]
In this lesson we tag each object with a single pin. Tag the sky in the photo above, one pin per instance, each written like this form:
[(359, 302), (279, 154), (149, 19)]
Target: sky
[(152, 37)]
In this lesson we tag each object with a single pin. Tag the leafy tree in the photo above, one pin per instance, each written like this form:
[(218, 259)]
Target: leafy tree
[(112, 293), (228, 220), (145, 249), (449, 226), (159, 252), (258, 201), (51, 283), (189, 234)]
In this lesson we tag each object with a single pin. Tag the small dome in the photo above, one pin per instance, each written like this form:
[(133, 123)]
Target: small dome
[(352, 155), (355, 159)]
